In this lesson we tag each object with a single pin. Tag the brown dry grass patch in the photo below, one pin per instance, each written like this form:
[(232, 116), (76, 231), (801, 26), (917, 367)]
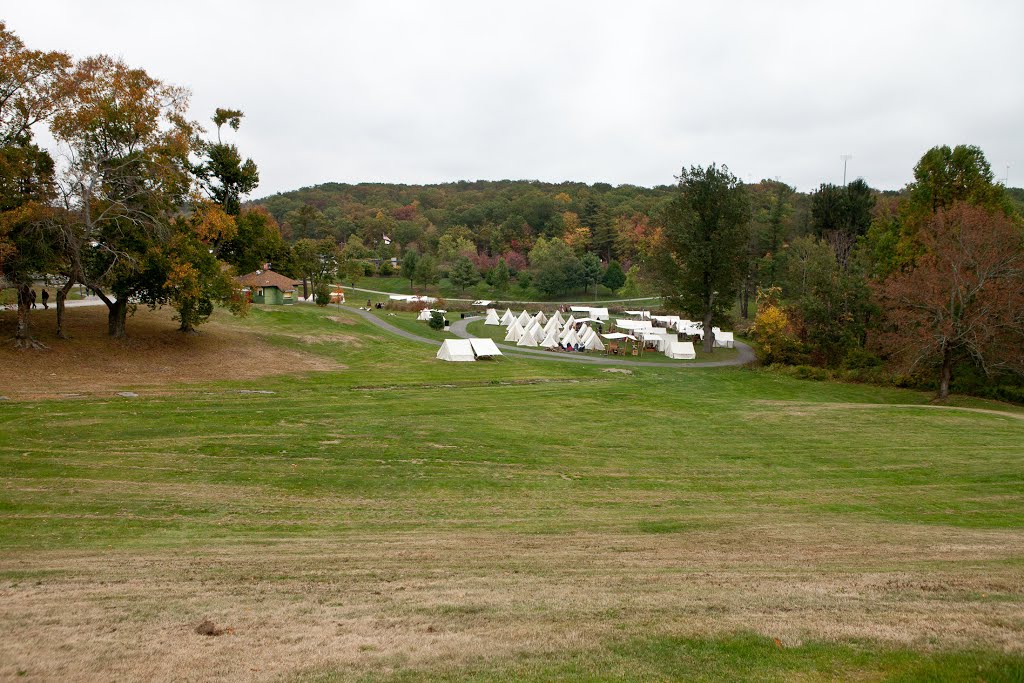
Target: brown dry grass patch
[(362, 603), (153, 354)]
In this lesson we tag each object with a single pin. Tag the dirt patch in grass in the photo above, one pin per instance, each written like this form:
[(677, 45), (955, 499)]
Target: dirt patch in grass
[(362, 602), (153, 354), (805, 408)]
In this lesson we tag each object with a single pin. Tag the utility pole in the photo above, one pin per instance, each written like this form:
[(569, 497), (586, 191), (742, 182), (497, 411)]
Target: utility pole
[(845, 158)]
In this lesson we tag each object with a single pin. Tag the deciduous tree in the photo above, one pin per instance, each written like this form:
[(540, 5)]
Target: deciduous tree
[(963, 299), (696, 263)]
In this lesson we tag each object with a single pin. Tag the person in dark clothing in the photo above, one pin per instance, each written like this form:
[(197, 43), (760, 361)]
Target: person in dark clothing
[(46, 298), (32, 298)]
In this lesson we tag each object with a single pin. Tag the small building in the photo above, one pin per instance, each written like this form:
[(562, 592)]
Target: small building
[(268, 287)]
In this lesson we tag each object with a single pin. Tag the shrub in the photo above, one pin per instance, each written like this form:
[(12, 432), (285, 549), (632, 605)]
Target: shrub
[(385, 269), (436, 321), (322, 294)]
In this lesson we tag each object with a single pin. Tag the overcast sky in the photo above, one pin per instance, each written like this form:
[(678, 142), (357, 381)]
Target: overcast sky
[(625, 92)]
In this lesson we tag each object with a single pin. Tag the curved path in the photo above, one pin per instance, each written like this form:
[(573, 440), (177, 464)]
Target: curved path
[(458, 328)]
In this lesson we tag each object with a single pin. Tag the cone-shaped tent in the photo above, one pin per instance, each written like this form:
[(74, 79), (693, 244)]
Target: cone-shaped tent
[(570, 320), (593, 342), (527, 339), (571, 339), (524, 318), (492, 318), (558, 316), (541, 318), (552, 326), (550, 340), (515, 332), (507, 317), (424, 314)]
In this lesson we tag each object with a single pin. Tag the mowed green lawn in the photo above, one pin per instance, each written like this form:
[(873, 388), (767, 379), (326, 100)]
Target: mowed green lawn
[(408, 519)]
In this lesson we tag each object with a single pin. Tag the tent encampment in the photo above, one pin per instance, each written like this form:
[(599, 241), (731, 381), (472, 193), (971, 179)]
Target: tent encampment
[(680, 350), (456, 350)]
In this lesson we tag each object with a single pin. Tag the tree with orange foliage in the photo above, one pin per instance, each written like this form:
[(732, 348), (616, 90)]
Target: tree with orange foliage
[(962, 300)]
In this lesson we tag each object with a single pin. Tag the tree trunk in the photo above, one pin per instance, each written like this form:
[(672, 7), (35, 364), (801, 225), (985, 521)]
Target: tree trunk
[(62, 295), (709, 334), (745, 301), (23, 332), (305, 289), (947, 374), (117, 314)]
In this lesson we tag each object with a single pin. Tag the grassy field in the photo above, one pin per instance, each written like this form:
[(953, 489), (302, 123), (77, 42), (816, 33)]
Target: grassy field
[(374, 514)]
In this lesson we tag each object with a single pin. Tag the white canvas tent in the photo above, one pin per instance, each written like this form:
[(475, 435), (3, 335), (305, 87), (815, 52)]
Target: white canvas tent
[(599, 314), (593, 342), (507, 317), (558, 316), (456, 350), (681, 350), (492, 318), (541, 318), (527, 339), (570, 321), (551, 340), (724, 340), (484, 348), (571, 338), (515, 332), (424, 314), (524, 318), (552, 326)]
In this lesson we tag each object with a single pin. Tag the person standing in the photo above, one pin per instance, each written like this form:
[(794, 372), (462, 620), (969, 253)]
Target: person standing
[(32, 298), (46, 298)]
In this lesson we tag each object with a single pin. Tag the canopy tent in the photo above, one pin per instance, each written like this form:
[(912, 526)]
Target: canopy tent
[(724, 340), (680, 350), (456, 350), (515, 332), (615, 336), (482, 302), (580, 309), (541, 318), (492, 318), (668, 320), (507, 317), (660, 341), (527, 339), (412, 298), (644, 315), (484, 348), (550, 341)]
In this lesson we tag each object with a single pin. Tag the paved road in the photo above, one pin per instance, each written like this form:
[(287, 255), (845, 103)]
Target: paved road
[(458, 328), (516, 301)]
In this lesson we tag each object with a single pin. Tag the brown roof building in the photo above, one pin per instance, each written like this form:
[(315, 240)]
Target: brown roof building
[(268, 287)]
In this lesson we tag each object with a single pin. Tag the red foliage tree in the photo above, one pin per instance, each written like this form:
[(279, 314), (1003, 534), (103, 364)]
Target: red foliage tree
[(963, 300)]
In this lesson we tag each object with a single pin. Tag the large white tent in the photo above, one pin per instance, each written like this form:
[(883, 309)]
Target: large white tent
[(515, 332), (552, 326), (456, 350), (571, 338), (492, 317), (558, 316), (524, 318), (724, 340), (424, 314), (681, 350), (599, 314), (507, 317), (593, 342), (484, 348), (541, 318)]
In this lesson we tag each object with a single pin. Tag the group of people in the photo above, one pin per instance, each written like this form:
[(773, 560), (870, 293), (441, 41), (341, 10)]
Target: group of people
[(45, 297)]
